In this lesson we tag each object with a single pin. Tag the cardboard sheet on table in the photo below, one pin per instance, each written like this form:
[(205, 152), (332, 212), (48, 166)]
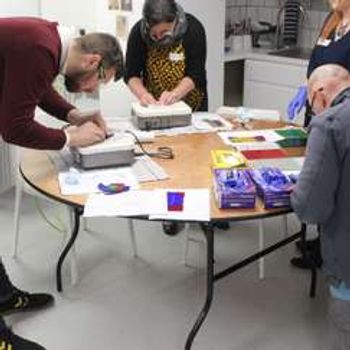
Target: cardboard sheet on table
[(264, 154), (285, 164)]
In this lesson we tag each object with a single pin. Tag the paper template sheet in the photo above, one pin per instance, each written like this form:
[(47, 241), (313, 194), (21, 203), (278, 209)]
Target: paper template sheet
[(232, 138), (293, 164), (210, 122), (131, 203), (196, 205), (255, 146), (74, 182)]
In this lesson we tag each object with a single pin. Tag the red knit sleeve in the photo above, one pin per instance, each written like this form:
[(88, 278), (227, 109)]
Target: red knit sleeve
[(54, 104), (27, 78)]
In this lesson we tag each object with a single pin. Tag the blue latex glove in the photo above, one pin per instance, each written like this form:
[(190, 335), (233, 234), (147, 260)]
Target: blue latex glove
[(297, 103)]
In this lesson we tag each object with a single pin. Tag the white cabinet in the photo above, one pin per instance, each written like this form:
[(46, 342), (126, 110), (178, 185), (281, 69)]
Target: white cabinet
[(272, 85)]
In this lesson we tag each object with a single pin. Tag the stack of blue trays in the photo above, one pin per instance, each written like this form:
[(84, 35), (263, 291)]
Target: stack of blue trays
[(234, 188), (273, 187)]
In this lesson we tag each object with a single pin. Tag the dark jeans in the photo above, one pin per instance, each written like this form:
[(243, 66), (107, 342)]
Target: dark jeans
[(2, 324)]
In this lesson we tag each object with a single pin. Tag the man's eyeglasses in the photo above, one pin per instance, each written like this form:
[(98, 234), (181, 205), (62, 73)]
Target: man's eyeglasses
[(101, 72), (102, 75), (159, 36), (313, 100)]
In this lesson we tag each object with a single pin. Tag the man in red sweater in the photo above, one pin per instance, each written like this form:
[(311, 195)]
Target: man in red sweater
[(32, 53)]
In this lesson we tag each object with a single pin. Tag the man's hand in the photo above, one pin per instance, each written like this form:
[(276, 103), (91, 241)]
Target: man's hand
[(78, 118), (148, 99), (168, 98), (85, 134)]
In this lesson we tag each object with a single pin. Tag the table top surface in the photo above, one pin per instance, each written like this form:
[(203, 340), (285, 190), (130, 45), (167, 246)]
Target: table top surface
[(191, 168)]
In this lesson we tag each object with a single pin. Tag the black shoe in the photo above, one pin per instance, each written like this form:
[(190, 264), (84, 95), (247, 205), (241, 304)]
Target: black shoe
[(222, 225), (309, 244), (306, 262), (171, 228), (24, 301), (11, 341)]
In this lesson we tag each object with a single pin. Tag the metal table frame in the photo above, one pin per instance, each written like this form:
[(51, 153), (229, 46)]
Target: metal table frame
[(211, 276)]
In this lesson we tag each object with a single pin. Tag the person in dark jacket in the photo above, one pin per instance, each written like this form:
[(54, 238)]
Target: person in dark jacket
[(32, 53), (332, 47), (322, 192)]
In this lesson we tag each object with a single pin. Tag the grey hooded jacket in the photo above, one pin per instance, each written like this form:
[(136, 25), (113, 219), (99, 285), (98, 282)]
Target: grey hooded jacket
[(322, 193)]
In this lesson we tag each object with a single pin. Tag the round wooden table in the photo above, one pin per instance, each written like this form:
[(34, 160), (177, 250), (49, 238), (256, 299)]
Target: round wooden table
[(191, 168)]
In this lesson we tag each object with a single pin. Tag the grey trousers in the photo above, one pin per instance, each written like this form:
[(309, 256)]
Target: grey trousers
[(339, 324)]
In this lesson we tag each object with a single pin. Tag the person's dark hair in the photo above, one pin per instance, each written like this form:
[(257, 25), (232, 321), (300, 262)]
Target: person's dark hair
[(107, 46), (159, 11)]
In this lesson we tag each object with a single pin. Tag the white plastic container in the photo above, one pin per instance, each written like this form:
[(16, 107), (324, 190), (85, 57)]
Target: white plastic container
[(114, 151), (247, 42), (161, 117), (237, 44)]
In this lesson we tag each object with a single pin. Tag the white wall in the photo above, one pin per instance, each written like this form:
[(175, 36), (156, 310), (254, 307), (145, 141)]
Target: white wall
[(78, 13), (212, 15), (116, 98), (19, 8)]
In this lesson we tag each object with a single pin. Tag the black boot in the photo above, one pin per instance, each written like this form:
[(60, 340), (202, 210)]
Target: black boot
[(222, 225), (6, 287), (311, 256), (14, 300), (24, 301), (11, 341), (172, 228), (310, 244)]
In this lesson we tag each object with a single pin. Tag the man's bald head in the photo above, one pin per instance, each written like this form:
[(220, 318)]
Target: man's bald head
[(325, 83)]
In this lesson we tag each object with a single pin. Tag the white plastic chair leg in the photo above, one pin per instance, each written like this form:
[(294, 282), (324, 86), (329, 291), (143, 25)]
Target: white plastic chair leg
[(284, 221), (132, 237), (16, 219), (261, 247), (191, 239), (72, 254), (187, 243), (85, 224)]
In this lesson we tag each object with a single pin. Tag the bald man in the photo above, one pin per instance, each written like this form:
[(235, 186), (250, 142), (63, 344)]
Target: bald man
[(322, 194)]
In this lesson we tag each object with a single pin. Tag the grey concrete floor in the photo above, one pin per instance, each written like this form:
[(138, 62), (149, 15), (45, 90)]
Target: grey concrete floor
[(151, 302)]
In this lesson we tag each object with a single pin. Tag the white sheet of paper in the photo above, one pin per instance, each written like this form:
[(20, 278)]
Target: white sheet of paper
[(146, 169), (196, 206), (250, 113), (254, 146), (74, 182), (130, 203), (210, 122), (291, 172)]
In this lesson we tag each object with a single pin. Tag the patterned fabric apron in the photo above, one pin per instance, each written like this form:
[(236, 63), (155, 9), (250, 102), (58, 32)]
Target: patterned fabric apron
[(165, 68)]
